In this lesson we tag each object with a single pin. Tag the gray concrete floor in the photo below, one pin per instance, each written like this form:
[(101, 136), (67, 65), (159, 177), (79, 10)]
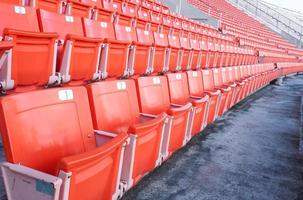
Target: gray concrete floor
[(252, 152)]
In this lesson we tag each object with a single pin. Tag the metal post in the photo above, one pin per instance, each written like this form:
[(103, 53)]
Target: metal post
[(257, 7), (300, 41), (179, 6)]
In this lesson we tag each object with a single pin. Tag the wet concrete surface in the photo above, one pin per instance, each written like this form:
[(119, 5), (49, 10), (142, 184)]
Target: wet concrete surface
[(252, 152)]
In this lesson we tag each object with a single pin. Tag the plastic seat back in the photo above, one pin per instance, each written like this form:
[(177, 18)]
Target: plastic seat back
[(195, 83), (91, 3), (253, 70), (157, 7), (112, 5), (245, 70), (186, 49), (49, 5), (208, 79), (174, 44), (194, 44), (177, 26), (147, 5), (98, 29), (18, 17), (103, 15), (156, 20), (129, 9), (161, 43), (231, 75), (143, 15), (165, 10), (125, 20), (142, 24), (153, 94), (196, 53), (144, 36), (210, 45), (143, 58), (178, 88), (249, 70), (203, 44), (62, 24), (125, 33), (224, 72), (114, 105), (217, 77), (81, 8), (236, 72), (185, 25), (167, 24), (14, 2), (32, 130)]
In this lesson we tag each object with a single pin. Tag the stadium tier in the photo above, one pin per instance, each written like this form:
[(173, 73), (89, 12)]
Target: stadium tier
[(98, 93)]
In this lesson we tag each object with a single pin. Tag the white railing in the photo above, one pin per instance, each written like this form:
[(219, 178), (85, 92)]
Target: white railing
[(271, 16)]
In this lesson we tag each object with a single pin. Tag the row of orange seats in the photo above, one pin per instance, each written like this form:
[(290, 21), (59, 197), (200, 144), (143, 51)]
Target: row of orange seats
[(113, 49), (239, 24), (111, 133), (90, 124)]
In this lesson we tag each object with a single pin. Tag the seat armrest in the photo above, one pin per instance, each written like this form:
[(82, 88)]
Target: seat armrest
[(146, 123), (148, 115), (199, 100), (20, 169), (107, 40), (195, 97), (176, 105), (6, 45), (224, 89), (232, 84), (83, 39), (29, 183), (241, 83), (104, 133), (179, 109), (213, 93), (67, 164), (160, 45), (103, 137), (149, 44), (185, 48), (30, 33)]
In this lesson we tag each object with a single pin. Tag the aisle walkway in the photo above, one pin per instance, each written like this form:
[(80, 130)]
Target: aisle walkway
[(250, 153)]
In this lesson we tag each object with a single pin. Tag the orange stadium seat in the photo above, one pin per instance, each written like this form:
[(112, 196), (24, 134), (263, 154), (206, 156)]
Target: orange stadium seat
[(153, 94), (226, 91), (215, 95), (95, 94), (80, 8), (196, 91), (78, 55), (162, 53), (67, 150), (56, 6), (115, 110)]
